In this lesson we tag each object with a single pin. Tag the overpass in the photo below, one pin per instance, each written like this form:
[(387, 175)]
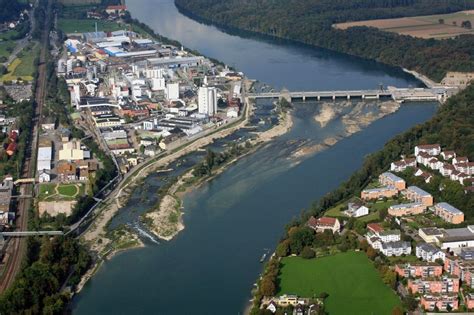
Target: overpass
[(32, 233), (398, 94), (24, 181)]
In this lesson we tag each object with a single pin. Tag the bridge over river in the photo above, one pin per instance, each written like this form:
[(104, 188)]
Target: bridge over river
[(398, 94)]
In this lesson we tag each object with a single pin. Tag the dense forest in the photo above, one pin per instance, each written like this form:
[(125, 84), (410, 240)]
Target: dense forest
[(310, 22), (51, 267), (11, 10)]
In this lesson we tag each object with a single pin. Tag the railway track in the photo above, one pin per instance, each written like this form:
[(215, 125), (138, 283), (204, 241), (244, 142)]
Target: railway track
[(17, 246)]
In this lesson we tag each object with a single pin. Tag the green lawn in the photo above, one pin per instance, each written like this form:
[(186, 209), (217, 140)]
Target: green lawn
[(353, 284), (336, 211), (81, 26), (68, 190), (61, 192)]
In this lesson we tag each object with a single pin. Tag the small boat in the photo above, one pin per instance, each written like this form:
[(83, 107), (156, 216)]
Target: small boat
[(263, 257)]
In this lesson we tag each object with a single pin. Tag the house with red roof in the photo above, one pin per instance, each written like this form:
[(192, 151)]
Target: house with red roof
[(375, 228), (116, 9), (325, 223)]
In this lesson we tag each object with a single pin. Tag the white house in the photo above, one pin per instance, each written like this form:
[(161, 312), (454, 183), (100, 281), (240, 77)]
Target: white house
[(423, 158), (460, 159), (429, 252), (44, 176), (272, 307), (376, 238), (233, 112), (448, 155), (356, 210), (400, 166), (431, 149), (446, 169), (396, 248), (434, 164), (466, 168)]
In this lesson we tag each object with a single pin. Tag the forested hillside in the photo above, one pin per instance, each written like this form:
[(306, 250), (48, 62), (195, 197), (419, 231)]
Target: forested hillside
[(310, 22), (10, 10)]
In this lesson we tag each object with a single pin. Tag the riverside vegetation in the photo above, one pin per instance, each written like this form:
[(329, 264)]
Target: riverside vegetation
[(311, 22)]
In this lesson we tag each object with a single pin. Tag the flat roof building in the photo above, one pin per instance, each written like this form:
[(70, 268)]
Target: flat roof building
[(448, 213)]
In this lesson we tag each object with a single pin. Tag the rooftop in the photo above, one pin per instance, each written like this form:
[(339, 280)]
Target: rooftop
[(418, 191), (406, 205), (392, 177), (447, 207)]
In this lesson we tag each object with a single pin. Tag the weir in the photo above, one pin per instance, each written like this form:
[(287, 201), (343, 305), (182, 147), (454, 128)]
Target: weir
[(397, 94)]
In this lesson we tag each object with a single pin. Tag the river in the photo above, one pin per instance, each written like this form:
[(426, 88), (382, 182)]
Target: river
[(211, 266)]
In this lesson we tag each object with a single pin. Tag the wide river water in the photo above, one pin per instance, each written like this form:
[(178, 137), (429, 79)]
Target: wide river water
[(210, 267)]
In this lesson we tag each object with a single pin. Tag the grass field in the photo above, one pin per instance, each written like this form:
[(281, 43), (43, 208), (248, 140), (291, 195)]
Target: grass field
[(421, 26), (24, 66), (353, 284), (63, 192), (6, 47), (81, 26)]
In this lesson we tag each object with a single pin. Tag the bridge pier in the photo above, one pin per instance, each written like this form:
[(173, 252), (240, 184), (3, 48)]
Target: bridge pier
[(363, 96), (319, 97), (348, 96), (334, 97), (304, 98)]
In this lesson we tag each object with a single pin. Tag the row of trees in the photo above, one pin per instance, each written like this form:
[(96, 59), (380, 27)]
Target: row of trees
[(311, 22)]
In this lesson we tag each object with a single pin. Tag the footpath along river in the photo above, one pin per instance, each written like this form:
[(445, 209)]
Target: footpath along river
[(210, 267)]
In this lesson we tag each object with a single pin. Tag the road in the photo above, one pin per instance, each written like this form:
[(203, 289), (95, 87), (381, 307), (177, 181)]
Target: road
[(17, 246)]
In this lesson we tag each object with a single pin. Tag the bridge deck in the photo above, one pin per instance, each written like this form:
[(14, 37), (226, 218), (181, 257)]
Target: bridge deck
[(32, 233)]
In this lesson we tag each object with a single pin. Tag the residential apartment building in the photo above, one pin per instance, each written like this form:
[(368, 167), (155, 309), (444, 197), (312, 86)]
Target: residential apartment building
[(422, 270), (429, 252), (442, 302), (448, 213), (434, 285), (405, 209), (402, 165), (378, 193), (416, 194), (431, 149), (376, 238), (396, 248), (389, 179)]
